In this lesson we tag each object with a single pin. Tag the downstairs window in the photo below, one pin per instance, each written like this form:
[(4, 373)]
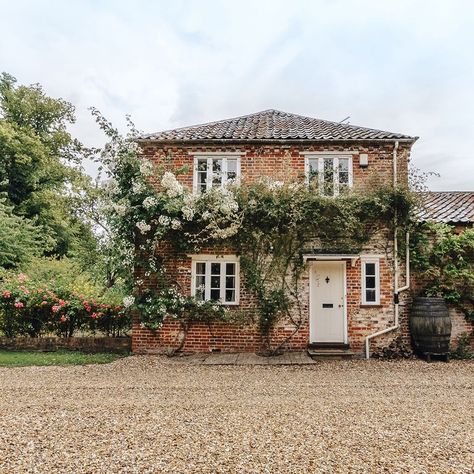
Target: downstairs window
[(216, 278), (370, 282)]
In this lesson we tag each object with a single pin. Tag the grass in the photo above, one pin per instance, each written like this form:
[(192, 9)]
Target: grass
[(28, 358)]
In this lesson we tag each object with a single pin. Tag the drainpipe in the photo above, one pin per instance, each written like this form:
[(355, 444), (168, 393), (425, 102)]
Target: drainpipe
[(396, 289)]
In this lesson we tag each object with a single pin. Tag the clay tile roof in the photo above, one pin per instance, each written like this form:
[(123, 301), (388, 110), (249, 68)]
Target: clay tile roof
[(274, 125), (453, 207)]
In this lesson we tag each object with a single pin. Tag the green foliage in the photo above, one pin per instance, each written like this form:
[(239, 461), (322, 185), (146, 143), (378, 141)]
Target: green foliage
[(19, 239), (56, 300), (39, 169), (155, 306), (444, 259), (50, 208), (280, 223), (463, 350)]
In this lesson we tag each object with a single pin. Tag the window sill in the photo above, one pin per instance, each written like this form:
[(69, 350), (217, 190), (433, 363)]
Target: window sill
[(371, 305)]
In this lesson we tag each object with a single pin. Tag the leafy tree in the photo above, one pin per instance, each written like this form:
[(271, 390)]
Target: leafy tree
[(40, 165), (19, 239)]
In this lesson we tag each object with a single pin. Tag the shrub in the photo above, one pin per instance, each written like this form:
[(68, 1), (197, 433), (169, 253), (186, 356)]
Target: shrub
[(34, 308)]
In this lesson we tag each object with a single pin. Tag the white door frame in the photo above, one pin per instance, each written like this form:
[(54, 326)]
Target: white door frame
[(312, 269)]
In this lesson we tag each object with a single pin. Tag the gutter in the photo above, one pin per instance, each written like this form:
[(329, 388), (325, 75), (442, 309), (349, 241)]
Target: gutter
[(396, 289)]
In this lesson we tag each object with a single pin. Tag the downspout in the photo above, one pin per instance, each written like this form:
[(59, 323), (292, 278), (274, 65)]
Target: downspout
[(396, 289)]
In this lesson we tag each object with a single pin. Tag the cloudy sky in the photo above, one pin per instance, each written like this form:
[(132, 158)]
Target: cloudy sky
[(405, 66)]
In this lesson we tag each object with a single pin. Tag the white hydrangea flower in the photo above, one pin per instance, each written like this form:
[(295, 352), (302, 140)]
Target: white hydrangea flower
[(143, 226), (171, 184), (175, 224), (165, 221), (128, 301), (149, 202)]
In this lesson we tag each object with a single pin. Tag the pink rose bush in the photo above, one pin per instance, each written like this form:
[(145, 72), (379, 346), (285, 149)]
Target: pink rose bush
[(27, 308)]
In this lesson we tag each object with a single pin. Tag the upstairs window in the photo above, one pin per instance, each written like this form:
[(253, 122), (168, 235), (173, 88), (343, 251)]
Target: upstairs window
[(331, 175), (215, 171), (370, 282), (216, 279)]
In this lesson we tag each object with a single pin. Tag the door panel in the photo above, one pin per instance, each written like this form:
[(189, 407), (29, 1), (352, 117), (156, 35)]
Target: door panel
[(327, 306)]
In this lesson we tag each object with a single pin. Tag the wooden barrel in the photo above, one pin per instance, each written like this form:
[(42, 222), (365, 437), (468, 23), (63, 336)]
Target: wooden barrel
[(430, 325)]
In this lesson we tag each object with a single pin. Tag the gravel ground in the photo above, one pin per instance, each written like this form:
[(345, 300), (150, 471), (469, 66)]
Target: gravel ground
[(150, 414)]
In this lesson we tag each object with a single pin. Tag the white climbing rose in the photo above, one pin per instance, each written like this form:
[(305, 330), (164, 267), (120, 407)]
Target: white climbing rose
[(143, 226), (149, 202), (171, 184), (128, 301)]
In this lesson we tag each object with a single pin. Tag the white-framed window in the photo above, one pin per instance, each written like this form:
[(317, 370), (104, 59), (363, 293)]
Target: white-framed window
[(216, 278), (371, 281), (332, 174), (215, 171)]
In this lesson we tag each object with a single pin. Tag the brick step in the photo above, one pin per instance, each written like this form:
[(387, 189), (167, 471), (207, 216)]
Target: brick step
[(337, 354)]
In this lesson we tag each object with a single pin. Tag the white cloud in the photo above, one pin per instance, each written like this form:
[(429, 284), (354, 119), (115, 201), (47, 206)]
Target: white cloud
[(404, 66)]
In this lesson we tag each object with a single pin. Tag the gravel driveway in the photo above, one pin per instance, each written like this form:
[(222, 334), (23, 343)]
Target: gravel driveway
[(150, 414)]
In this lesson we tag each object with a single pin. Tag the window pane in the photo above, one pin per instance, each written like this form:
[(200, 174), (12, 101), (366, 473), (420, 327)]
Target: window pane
[(202, 165), (200, 285), (215, 295), (370, 296), (230, 295), (343, 165), (202, 181), (343, 171), (215, 268), (370, 282), (313, 170), (231, 169), (230, 269), (328, 177), (370, 269), (343, 178), (230, 282), (216, 172), (200, 268), (215, 281)]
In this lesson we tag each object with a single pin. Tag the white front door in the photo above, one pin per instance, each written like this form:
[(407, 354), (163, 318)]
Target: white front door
[(327, 302)]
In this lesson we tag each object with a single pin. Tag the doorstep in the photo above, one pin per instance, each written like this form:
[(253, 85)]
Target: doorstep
[(329, 350)]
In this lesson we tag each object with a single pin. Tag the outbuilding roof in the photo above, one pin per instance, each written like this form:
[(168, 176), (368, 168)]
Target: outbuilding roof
[(454, 207), (274, 125)]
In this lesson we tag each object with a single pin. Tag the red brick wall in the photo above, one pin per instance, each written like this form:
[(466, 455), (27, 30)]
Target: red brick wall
[(282, 163), (285, 162)]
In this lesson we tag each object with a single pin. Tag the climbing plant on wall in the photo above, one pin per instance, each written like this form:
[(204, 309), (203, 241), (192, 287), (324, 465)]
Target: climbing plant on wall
[(269, 223), (443, 258)]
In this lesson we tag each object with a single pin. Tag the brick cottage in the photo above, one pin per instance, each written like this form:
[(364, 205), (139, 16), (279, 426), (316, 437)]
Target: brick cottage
[(351, 300)]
